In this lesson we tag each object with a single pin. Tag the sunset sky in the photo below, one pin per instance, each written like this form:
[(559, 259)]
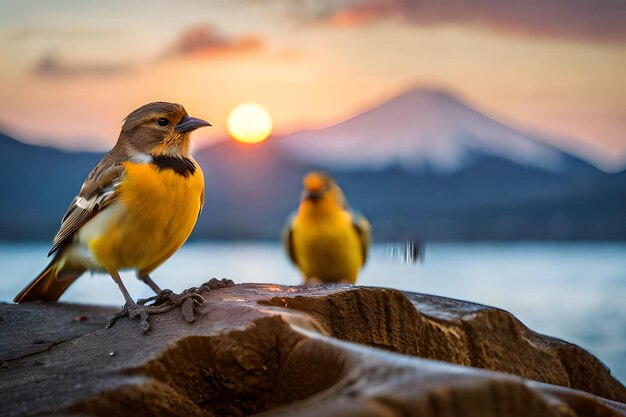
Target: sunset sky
[(72, 70)]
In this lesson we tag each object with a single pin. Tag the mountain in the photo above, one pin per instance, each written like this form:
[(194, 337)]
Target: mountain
[(423, 128), (423, 165), (37, 183)]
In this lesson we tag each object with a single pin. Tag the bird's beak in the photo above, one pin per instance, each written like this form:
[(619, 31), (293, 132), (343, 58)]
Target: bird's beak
[(187, 124), (314, 196)]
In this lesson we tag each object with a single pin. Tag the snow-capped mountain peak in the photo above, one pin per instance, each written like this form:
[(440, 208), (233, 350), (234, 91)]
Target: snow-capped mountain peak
[(421, 127)]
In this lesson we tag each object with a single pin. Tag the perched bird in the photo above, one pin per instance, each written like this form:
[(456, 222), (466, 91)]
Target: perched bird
[(325, 239), (136, 208)]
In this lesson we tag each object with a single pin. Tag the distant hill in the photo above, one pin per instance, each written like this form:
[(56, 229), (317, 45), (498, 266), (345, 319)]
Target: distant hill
[(423, 165), (38, 184), (250, 191)]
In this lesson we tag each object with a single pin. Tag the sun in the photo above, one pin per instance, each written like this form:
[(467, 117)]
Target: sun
[(249, 123)]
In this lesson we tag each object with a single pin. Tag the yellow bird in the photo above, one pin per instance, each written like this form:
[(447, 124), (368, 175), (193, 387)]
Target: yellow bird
[(325, 239), (136, 208)]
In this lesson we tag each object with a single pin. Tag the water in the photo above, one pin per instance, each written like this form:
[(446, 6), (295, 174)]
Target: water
[(573, 291)]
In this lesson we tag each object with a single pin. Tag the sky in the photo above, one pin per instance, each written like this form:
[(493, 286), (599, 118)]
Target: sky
[(72, 70)]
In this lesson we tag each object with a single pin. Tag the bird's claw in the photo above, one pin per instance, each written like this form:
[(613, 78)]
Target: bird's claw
[(136, 310), (142, 312), (214, 284), (120, 314), (189, 301), (143, 301)]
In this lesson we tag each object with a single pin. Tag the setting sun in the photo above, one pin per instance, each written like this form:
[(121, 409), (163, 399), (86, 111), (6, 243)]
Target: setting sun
[(249, 123)]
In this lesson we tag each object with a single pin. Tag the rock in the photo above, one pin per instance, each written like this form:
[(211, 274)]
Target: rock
[(297, 351)]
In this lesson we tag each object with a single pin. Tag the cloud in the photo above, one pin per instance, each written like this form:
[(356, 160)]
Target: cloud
[(52, 66), (48, 33), (206, 41), (197, 41), (603, 20)]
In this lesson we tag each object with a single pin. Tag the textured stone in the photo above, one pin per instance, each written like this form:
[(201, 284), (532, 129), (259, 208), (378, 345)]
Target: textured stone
[(297, 351)]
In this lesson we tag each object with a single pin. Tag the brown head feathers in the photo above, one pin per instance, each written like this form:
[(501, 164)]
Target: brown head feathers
[(158, 128), (149, 111)]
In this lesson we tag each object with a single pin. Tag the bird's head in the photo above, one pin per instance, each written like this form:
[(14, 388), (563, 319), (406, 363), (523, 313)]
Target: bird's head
[(159, 129), (321, 189)]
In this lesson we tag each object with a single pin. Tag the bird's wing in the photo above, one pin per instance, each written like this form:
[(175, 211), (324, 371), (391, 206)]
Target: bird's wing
[(363, 229), (287, 236), (201, 202), (97, 192)]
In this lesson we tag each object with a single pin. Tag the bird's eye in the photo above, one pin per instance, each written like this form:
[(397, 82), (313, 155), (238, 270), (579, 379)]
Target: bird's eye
[(163, 121)]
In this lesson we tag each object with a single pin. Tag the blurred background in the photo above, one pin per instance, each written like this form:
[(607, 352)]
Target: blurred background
[(492, 130)]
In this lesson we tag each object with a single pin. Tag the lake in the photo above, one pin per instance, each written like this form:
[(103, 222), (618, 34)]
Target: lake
[(574, 291)]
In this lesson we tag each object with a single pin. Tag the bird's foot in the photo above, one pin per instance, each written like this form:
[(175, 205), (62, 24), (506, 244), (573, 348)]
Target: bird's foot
[(189, 301), (190, 298), (138, 310)]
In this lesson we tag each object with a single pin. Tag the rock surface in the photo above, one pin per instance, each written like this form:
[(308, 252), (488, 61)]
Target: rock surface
[(297, 351)]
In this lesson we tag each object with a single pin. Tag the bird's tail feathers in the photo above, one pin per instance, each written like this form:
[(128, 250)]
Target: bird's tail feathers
[(50, 283)]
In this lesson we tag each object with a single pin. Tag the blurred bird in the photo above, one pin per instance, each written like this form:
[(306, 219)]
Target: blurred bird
[(325, 239), (136, 208)]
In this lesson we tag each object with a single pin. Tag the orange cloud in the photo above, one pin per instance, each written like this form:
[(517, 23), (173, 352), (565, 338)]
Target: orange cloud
[(206, 41), (603, 20)]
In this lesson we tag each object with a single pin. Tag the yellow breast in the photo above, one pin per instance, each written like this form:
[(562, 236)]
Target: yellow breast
[(327, 247), (156, 211)]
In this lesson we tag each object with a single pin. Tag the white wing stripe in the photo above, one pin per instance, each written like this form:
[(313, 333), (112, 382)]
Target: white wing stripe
[(85, 204)]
